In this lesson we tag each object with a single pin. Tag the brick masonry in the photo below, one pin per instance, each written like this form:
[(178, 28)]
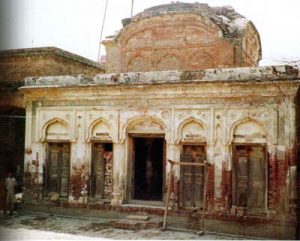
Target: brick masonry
[(183, 36)]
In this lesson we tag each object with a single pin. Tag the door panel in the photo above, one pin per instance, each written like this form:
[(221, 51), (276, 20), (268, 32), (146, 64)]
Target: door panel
[(98, 169), (256, 197), (191, 178), (58, 168), (250, 184)]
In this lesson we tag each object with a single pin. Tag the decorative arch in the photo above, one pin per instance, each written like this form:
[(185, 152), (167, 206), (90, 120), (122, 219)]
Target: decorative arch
[(192, 130), (143, 124), (138, 64), (248, 130), (168, 62), (99, 129), (201, 60), (56, 128)]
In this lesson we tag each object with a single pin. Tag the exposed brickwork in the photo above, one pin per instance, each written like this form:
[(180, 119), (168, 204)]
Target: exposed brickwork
[(210, 186), (183, 36), (108, 184), (272, 189), (15, 65), (226, 187)]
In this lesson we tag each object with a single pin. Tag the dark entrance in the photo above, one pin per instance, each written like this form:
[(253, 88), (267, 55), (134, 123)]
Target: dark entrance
[(148, 168), (12, 129)]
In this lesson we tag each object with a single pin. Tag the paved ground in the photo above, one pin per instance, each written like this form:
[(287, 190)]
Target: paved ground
[(41, 226)]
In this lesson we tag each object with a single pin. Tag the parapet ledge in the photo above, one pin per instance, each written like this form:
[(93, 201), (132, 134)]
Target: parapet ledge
[(268, 73)]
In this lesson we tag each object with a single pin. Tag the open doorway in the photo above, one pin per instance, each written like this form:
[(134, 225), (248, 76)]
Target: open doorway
[(148, 168)]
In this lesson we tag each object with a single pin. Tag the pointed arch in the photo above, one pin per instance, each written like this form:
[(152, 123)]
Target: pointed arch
[(138, 64), (56, 128), (201, 60), (168, 62), (99, 129), (249, 129), (143, 124), (192, 129)]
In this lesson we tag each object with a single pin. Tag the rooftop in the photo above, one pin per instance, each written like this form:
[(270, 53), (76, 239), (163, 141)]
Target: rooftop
[(226, 18), (268, 73), (49, 50)]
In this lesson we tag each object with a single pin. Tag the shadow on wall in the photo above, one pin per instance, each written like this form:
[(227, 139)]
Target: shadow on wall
[(12, 129)]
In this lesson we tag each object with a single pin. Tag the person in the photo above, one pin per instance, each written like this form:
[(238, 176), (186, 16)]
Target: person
[(10, 185)]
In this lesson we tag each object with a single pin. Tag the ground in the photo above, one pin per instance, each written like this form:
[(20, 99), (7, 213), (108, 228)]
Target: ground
[(25, 225)]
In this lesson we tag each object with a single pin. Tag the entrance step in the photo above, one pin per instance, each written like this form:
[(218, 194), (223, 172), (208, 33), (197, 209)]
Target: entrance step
[(138, 222), (138, 217)]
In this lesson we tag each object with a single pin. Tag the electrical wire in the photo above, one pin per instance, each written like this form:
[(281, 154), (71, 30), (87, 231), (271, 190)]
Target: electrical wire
[(101, 33)]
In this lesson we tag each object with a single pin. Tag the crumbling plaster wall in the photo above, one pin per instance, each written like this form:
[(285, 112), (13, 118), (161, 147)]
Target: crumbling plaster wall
[(170, 109), (179, 41)]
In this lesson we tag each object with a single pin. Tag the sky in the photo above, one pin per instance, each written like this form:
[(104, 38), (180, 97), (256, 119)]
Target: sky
[(75, 25)]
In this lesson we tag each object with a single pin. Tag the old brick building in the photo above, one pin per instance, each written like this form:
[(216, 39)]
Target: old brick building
[(15, 66), (183, 36), (174, 89)]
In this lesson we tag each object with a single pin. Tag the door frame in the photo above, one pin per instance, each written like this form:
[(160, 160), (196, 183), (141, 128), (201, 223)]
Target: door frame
[(46, 172), (131, 169), (182, 144), (234, 175), (93, 143)]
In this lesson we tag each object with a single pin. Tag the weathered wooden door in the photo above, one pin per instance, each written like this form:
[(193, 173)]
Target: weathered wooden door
[(192, 178), (58, 168), (250, 177), (98, 170)]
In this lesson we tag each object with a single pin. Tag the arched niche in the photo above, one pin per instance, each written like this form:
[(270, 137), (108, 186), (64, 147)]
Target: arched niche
[(138, 64), (201, 60), (56, 129), (168, 62), (192, 131), (100, 130), (143, 125), (249, 131)]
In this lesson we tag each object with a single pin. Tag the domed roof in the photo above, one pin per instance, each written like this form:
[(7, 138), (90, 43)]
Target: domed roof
[(226, 18)]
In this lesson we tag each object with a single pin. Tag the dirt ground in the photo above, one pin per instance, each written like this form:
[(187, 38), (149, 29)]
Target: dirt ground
[(44, 226)]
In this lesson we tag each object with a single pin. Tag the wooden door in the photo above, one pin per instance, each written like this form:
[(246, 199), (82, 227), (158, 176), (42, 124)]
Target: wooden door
[(98, 171), (250, 177), (58, 168), (256, 195), (192, 178)]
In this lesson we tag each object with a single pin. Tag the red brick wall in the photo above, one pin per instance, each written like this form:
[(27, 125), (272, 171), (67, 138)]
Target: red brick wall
[(15, 67), (210, 186)]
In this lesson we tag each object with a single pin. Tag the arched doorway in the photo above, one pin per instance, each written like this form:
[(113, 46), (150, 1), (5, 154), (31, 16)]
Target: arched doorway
[(192, 137), (146, 161), (250, 167)]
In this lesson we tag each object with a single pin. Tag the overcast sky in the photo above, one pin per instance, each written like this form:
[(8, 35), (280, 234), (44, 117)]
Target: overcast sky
[(74, 25)]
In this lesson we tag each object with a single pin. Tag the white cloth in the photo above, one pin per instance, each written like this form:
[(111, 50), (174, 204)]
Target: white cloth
[(10, 184)]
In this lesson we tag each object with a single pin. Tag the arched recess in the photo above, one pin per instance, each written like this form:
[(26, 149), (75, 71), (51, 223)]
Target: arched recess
[(101, 163), (138, 64), (168, 62), (201, 60), (143, 125), (99, 129), (146, 158), (192, 130), (192, 135), (249, 166), (55, 129), (248, 130)]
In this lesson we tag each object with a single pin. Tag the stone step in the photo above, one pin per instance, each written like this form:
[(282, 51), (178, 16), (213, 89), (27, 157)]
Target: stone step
[(138, 217), (144, 222)]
